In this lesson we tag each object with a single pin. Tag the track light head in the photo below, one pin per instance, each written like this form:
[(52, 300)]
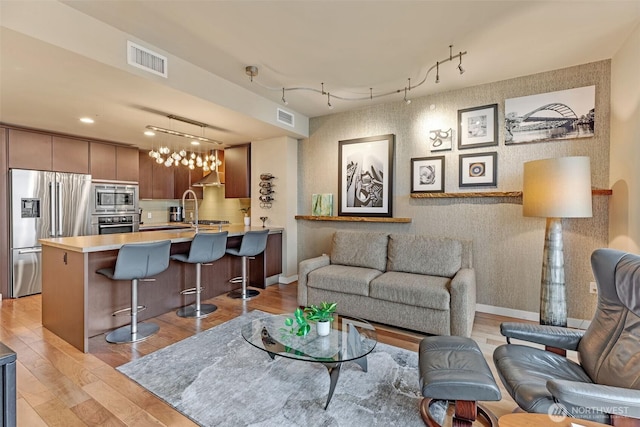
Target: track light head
[(407, 101), (284, 100), (437, 72), (329, 101), (460, 65), (251, 71)]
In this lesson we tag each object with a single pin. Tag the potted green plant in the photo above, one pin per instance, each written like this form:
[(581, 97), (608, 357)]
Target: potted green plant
[(323, 316), (303, 326)]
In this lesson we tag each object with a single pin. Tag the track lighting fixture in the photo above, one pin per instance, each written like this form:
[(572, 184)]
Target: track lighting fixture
[(252, 71)]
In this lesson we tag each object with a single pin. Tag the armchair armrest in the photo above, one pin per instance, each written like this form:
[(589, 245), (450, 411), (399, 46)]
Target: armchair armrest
[(552, 336), (304, 268), (599, 398)]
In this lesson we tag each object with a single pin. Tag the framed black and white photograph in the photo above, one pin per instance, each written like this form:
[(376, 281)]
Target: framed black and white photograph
[(565, 114), (478, 127), (427, 174), (479, 170), (365, 176), (440, 139)]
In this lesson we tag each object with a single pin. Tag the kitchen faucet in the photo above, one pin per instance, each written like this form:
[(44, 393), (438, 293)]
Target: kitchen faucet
[(195, 201)]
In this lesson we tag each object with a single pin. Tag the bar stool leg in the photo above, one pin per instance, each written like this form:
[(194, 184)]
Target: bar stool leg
[(197, 310), (135, 331), (243, 293)]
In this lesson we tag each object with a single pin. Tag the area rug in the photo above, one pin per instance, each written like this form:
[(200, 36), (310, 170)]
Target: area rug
[(217, 379)]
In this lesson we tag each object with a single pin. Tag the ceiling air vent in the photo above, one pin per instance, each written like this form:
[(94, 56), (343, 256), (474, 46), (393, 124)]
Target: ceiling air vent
[(285, 117), (146, 59)]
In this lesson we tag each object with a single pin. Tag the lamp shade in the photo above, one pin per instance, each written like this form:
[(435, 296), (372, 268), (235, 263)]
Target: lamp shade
[(557, 188)]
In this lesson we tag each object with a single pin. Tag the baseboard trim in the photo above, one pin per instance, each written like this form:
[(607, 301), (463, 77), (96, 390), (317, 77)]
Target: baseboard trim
[(286, 280), (527, 315)]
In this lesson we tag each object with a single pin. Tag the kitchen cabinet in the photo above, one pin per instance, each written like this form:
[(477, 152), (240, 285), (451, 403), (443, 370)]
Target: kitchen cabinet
[(183, 177), (237, 171), (145, 184), (70, 155), (114, 163), (162, 185), (29, 150)]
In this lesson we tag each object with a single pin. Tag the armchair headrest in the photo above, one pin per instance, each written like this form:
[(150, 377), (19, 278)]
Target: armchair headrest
[(628, 282)]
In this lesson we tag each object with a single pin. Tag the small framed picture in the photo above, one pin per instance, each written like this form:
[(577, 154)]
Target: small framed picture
[(478, 127), (427, 174), (479, 170), (440, 139)]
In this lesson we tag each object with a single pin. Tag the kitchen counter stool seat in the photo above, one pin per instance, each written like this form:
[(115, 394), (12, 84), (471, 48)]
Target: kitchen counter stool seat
[(137, 262), (253, 243), (205, 248)]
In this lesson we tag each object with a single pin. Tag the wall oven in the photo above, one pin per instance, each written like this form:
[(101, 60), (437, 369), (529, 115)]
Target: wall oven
[(112, 224), (114, 198)]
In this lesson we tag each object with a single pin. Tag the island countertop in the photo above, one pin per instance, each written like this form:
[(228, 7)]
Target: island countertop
[(107, 242)]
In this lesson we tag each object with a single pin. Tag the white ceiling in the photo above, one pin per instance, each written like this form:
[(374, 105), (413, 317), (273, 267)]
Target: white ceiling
[(53, 69)]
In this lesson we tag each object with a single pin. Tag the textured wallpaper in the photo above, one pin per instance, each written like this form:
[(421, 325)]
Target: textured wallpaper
[(507, 246)]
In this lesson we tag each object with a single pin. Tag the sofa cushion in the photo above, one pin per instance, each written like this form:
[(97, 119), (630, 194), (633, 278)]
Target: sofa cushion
[(412, 289), (341, 278), (360, 249), (424, 255)]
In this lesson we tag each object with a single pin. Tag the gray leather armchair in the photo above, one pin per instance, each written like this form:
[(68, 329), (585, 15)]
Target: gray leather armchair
[(605, 385)]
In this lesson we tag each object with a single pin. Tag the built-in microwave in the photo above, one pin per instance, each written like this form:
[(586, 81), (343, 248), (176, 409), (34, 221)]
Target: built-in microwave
[(114, 198)]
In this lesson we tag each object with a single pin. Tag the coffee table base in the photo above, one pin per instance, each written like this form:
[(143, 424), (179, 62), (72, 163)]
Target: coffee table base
[(334, 373)]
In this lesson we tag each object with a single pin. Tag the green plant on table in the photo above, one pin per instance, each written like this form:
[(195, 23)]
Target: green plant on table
[(322, 312), (303, 325)]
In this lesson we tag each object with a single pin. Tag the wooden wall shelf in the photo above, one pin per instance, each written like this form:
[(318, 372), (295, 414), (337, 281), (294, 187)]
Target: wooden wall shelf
[(352, 218), (595, 192)]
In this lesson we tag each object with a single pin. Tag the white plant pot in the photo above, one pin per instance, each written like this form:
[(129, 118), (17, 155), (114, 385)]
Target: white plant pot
[(247, 221), (324, 328)]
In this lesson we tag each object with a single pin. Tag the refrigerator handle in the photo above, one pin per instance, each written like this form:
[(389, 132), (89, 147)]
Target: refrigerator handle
[(52, 211), (59, 206)]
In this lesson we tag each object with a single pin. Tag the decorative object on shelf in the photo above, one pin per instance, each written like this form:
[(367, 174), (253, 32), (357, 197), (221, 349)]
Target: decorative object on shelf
[(479, 170), (440, 140), (247, 218), (365, 177), (252, 71), (323, 316), (427, 174), (554, 189), (264, 220), (322, 204), (565, 114), (266, 190), (478, 127), (303, 326)]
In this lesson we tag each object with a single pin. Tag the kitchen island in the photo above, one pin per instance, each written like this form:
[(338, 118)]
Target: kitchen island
[(77, 303)]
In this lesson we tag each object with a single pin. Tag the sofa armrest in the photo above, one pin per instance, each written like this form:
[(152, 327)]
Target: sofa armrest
[(601, 398), (552, 336), (304, 268), (463, 302)]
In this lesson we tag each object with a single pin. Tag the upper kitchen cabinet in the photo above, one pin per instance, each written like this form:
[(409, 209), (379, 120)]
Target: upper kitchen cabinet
[(237, 171), (40, 151), (156, 180), (183, 177), (114, 163), (70, 155), (30, 150)]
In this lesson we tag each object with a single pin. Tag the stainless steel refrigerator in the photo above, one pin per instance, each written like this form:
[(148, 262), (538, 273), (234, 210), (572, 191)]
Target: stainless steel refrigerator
[(43, 204)]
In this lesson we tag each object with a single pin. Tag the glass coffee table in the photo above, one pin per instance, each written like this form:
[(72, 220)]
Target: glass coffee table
[(350, 339)]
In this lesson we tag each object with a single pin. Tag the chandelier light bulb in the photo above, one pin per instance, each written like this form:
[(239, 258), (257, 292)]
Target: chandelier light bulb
[(159, 160), (191, 166), (183, 153), (184, 161)]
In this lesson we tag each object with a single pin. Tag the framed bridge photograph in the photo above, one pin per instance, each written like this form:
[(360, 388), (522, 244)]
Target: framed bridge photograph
[(551, 116)]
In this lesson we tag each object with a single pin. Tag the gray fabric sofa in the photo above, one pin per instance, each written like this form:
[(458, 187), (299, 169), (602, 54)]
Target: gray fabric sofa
[(410, 281)]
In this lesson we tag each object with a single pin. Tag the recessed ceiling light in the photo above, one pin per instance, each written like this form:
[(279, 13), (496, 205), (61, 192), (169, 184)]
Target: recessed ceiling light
[(149, 133), (86, 120), (195, 143)]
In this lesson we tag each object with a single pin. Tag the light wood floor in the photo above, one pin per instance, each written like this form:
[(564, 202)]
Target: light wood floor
[(60, 386)]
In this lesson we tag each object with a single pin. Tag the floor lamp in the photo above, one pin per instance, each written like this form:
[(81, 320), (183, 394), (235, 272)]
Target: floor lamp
[(555, 189)]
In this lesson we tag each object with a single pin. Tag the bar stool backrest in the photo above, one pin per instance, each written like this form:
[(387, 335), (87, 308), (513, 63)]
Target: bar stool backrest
[(253, 243), (140, 260), (207, 247)]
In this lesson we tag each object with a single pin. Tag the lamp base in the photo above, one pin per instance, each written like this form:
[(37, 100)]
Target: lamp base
[(553, 303)]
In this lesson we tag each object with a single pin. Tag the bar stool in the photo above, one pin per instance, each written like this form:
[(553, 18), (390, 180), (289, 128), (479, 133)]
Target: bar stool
[(137, 262), (253, 243), (205, 248)]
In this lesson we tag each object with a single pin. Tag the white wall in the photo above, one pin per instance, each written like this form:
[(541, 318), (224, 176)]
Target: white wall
[(624, 177), (278, 156)]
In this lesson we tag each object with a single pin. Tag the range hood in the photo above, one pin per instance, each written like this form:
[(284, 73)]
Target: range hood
[(211, 180)]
